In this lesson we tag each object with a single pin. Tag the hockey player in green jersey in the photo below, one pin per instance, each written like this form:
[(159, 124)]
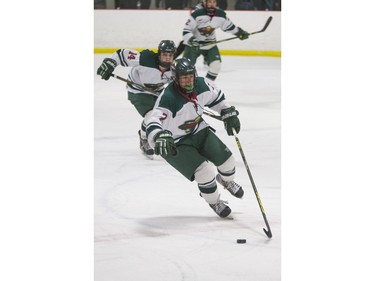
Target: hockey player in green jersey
[(177, 132), (149, 70), (200, 29)]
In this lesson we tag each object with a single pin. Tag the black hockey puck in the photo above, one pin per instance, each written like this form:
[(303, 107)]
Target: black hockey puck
[(241, 241)]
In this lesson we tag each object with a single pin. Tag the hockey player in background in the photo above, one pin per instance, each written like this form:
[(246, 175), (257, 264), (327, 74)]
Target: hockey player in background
[(149, 70), (177, 132), (200, 29)]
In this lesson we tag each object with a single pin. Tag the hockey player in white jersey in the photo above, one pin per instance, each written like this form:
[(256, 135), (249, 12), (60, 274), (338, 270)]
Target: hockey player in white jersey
[(149, 70), (178, 132), (200, 29)]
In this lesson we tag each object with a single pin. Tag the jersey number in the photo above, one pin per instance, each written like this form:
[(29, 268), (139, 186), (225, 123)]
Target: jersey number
[(131, 55)]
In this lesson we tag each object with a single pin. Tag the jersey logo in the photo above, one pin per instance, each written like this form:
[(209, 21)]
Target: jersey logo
[(206, 31), (131, 55), (189, 125), (164, 117)]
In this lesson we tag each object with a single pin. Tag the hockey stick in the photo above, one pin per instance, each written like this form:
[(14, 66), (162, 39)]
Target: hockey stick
[(232, 38), (217, 117), (268, 231), (135, 84)]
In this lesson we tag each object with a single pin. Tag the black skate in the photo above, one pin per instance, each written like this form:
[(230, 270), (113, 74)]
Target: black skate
[(234, 188)]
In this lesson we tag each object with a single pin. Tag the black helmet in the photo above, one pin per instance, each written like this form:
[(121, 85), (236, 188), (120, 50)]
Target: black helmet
[(167, 46), (183, 66)]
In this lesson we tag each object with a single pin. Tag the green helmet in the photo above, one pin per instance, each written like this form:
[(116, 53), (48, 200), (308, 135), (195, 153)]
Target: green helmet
[(183, 66), (166, 46)]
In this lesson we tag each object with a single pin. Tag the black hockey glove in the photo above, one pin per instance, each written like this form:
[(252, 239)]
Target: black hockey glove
[(242, 34), (106, 68), (229, 116), (164, 144)]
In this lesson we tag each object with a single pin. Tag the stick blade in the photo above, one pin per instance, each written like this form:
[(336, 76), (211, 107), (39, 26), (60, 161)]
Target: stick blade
[(265, 26), (267, 23), (268, 233)]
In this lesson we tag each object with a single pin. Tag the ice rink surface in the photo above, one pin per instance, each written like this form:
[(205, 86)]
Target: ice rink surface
[(150, 222)]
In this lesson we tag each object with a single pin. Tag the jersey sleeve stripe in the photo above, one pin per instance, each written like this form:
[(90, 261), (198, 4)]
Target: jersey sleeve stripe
[(231, 27), (152, 126), (121, 56), (219, 99)]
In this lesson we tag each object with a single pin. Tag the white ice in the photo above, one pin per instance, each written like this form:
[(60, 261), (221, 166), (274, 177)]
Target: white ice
[(150, 222)]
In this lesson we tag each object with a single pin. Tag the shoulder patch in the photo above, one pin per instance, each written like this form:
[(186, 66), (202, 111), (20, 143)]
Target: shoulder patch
[(221, 13), (200, 86), (199, 12)]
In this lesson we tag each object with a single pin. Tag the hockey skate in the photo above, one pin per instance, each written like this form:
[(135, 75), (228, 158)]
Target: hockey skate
[(220, 208), (145, 147), (234, 188)]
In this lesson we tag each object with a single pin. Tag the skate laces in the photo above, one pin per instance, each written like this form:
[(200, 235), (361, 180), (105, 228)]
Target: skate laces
[(219, 206), (232, 186)]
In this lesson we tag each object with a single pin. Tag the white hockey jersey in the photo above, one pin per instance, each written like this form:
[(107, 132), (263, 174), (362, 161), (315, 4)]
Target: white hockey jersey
[(145, 70), (181, 114), (202, 26)]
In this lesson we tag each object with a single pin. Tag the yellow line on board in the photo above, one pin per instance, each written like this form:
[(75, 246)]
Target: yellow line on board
[(222, 52)]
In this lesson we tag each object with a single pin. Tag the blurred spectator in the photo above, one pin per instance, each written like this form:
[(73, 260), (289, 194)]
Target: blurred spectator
[(126, 4), (133, 4), (158, 3), (245, 5), (222, 4), (277, 6), (145, 4), (263, 5), (99, 4), (174, 4)]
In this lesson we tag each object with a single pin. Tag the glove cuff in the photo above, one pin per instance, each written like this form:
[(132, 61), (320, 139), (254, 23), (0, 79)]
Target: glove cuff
[(240, 30), (111, 62), (228, 112), (163, 134)]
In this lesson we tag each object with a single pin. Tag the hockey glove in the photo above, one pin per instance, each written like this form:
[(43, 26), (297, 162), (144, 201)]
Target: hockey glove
[(164, 144), (229, 116), (193, 43), (242, 34), (106, 68)]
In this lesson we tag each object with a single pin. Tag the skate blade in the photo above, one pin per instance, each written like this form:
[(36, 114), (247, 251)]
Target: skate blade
[(229, 217), (151, 157)]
